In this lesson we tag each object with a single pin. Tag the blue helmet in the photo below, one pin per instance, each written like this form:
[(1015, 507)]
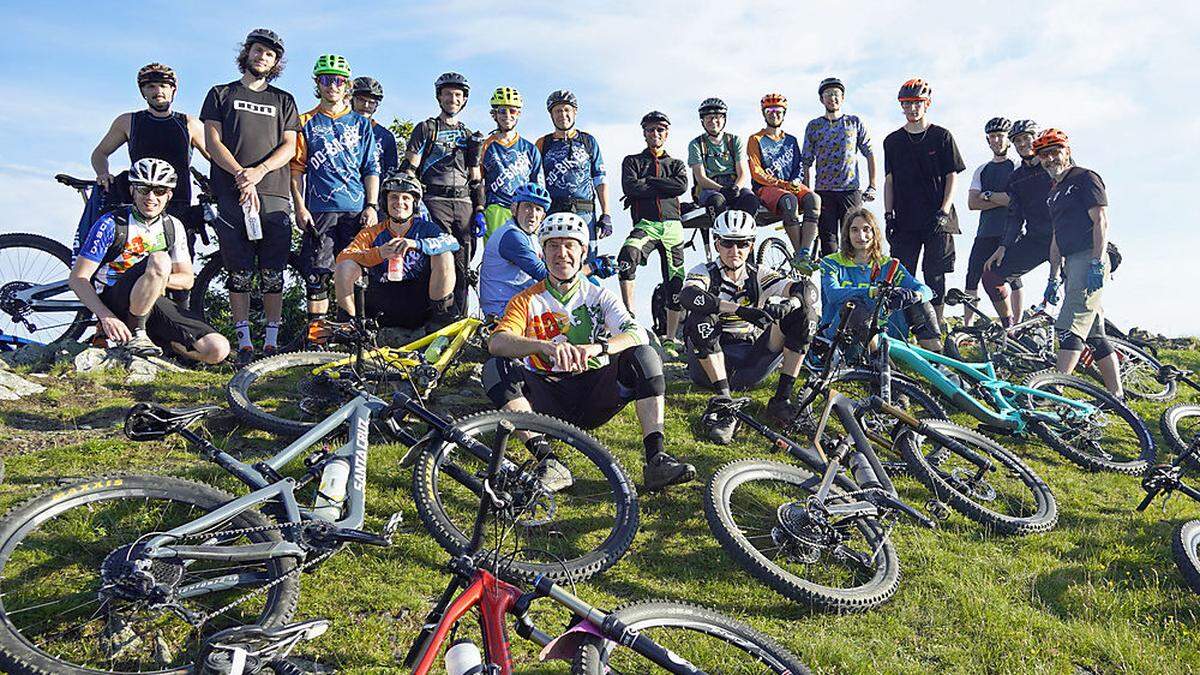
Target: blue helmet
[(532, 193)]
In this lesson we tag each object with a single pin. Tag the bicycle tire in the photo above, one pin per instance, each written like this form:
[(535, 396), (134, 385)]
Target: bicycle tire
[(1180, 424), (447, 507), (970, 498), (29, 272), (1185, 544), (774, 254), (1139, 372), (654, 617), (718, 510), (1088, 452), (1014, 358), (254, 413), (33, 522), (209, 300)]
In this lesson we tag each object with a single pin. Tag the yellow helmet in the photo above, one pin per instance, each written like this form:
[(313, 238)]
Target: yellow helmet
[(506, 97)]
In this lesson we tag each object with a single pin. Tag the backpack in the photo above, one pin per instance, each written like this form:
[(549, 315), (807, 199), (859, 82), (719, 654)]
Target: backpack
[(101, 202), (121, 234), (700, 140)]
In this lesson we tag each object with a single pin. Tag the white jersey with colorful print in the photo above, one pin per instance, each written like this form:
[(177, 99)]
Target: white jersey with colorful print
[(584, 314)]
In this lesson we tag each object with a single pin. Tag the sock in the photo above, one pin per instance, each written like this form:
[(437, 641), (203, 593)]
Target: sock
[(315, 316), (243, 335), (271, 339), (654, 444), (722, 386), (140, 322), (783, 390)]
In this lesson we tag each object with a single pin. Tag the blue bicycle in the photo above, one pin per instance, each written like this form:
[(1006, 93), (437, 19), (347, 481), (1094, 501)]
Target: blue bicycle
[(1079, 419)]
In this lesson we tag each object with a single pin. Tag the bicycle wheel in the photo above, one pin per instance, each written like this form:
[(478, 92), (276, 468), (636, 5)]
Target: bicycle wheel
[(1113, 438), (282, 393), (1186, 547), (1139, 372), (759, 511), (774, 254), (60, 553), (711, 641), (1007, 496), (574, 510), (28, 260), (210, 300), (1180, 425), (1014, 358)]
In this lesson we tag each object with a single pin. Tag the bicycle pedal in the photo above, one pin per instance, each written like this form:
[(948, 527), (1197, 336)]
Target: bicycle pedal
[(393, 524), (938, 509)]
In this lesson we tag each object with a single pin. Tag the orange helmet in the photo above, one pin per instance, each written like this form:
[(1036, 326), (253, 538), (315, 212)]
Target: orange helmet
[(915, 89), (1051, 138), (774, 100)]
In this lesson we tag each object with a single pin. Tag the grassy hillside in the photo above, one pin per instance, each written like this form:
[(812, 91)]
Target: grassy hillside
[(1100, 594)]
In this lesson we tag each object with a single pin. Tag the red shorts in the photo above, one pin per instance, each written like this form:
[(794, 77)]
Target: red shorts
[(770, 196)]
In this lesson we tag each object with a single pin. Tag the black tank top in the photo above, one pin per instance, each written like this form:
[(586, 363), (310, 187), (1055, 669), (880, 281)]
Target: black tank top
[(165, 138)]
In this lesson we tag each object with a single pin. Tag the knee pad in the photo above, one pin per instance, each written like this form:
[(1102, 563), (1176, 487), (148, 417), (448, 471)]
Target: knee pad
[(501, 380), (717, 201), (1016, 283), (316, 286), (995, 285), (811, 204), (922, 321), (789, 209), (798, 327), (1101, 347), (271, 281), (646, 367), (240, 281), (629, 258), (673, 286), (1069, 341), (704, 330)]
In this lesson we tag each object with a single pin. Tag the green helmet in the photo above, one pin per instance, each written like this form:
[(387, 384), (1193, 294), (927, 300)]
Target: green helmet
[(331, 64)]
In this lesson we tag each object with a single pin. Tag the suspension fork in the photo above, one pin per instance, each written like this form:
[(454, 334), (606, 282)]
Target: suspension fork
[(920, 426)]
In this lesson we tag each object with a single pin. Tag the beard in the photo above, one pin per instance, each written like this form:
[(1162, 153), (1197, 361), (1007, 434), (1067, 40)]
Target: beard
[(159, 107)]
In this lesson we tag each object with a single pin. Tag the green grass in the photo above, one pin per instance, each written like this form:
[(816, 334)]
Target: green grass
[(1099, 594)]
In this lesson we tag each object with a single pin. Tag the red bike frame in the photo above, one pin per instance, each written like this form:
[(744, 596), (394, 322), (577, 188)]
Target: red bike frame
[(494, 598)]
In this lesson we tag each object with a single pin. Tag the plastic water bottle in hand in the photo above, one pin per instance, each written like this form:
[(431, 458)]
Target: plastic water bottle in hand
[(253, 221)]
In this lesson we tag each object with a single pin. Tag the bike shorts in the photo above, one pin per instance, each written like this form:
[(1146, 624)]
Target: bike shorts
[(238, 253), (168, 322), (399, 304), (771, 195), (665, 236), (981, 250), (587, 399), (835, 204), (1081, 312), (1024, 256), (331, 232), (747, 362), (454, 216), (938, 249)]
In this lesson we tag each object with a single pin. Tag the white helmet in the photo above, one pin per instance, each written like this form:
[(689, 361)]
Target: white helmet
[(734, 225), (564, 225), (153, 172)]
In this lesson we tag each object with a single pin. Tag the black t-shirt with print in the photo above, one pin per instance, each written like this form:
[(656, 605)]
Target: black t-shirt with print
[(1079, 190), (918, 164), (252, 126)]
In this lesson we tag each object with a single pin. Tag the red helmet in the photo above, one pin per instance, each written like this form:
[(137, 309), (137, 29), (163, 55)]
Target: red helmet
[(915, 89), (1051, 138), (774, 100)]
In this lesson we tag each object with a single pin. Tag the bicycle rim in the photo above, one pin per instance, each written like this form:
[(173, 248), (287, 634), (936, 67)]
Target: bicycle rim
[(28, 260)]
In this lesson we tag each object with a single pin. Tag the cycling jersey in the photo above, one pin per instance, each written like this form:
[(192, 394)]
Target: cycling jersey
[(750, 289), (507, 166), (720, 158), (511, 264), (335, 152), (389, 154), (252, 127), (992, 177), (572, 167), (1069, 200), (141, 240), (832, 144), (1028, 215), (440, 147), (431, 240), (166, 138), (843, 279), (775, 163), (584, 314), (652, 185)]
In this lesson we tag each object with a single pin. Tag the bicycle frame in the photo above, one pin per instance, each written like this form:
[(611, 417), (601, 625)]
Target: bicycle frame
[(411, 355)]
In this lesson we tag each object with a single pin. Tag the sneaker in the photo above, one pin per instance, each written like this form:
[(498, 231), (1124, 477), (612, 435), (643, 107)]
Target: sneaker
[(317, 334), (270, 350), (781, 411), (244, 356), (141, 345), (554, 475), (673, 349), (719, 427), (663, 470)]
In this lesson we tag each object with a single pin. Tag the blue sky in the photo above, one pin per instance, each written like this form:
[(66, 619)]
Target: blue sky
[(1120, 79)]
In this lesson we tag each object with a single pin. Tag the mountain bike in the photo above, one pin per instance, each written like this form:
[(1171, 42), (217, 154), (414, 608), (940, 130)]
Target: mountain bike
[(1167, 478), (677, 637), (289, 393), (129, 573), (1078, 418), (1181, 422)]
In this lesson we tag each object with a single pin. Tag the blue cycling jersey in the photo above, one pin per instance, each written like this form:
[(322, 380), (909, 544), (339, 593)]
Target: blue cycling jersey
[(510, 265), (843, 279), (507, 166), (572, 166)]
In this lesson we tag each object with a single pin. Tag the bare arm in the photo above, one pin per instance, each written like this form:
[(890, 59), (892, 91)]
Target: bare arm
[(80, 282), (702, 180), (602, 195), (888, 197), (948, 193), (217, 152), (872, 169), (512, 346), (196, 134), (1099, 215), (182, 276), (118, 135)]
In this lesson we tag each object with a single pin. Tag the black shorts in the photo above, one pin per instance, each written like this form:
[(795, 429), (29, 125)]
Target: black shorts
[(835, 204), (1024, 256), (454, 216), (938, 246), (331, 232), (399, 304), (747, 362), (981, 250), (238, 253), (586, 400), (168, 321)]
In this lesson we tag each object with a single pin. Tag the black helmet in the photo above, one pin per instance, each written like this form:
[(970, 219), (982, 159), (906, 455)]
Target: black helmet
[(452, 80), (995, 124), (367, 86), (561, 96), (267, 37), (713, 105), (655, 117), (398, 181), (1023, 127), (830, 82), (915, 89)]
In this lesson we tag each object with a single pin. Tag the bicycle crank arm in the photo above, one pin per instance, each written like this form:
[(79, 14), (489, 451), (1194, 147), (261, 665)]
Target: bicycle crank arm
[(882, 498)]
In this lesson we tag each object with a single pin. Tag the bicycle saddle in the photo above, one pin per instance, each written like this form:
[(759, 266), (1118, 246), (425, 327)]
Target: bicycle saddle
[(956, 296), (150, 421), (71, 181)]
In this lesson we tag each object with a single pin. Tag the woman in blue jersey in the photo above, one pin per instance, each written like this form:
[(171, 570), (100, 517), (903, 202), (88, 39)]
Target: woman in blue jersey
[(851, 271)]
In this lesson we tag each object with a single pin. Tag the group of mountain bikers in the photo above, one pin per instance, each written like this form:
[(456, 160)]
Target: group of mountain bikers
[(408, 223)]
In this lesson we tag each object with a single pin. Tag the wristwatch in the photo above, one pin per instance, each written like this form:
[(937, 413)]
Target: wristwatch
[(603, 347), (987, 195), (371, 205)]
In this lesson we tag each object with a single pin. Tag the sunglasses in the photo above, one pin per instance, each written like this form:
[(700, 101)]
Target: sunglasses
[(158, 190), (773, 110), (331, 80), (728, 243)]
